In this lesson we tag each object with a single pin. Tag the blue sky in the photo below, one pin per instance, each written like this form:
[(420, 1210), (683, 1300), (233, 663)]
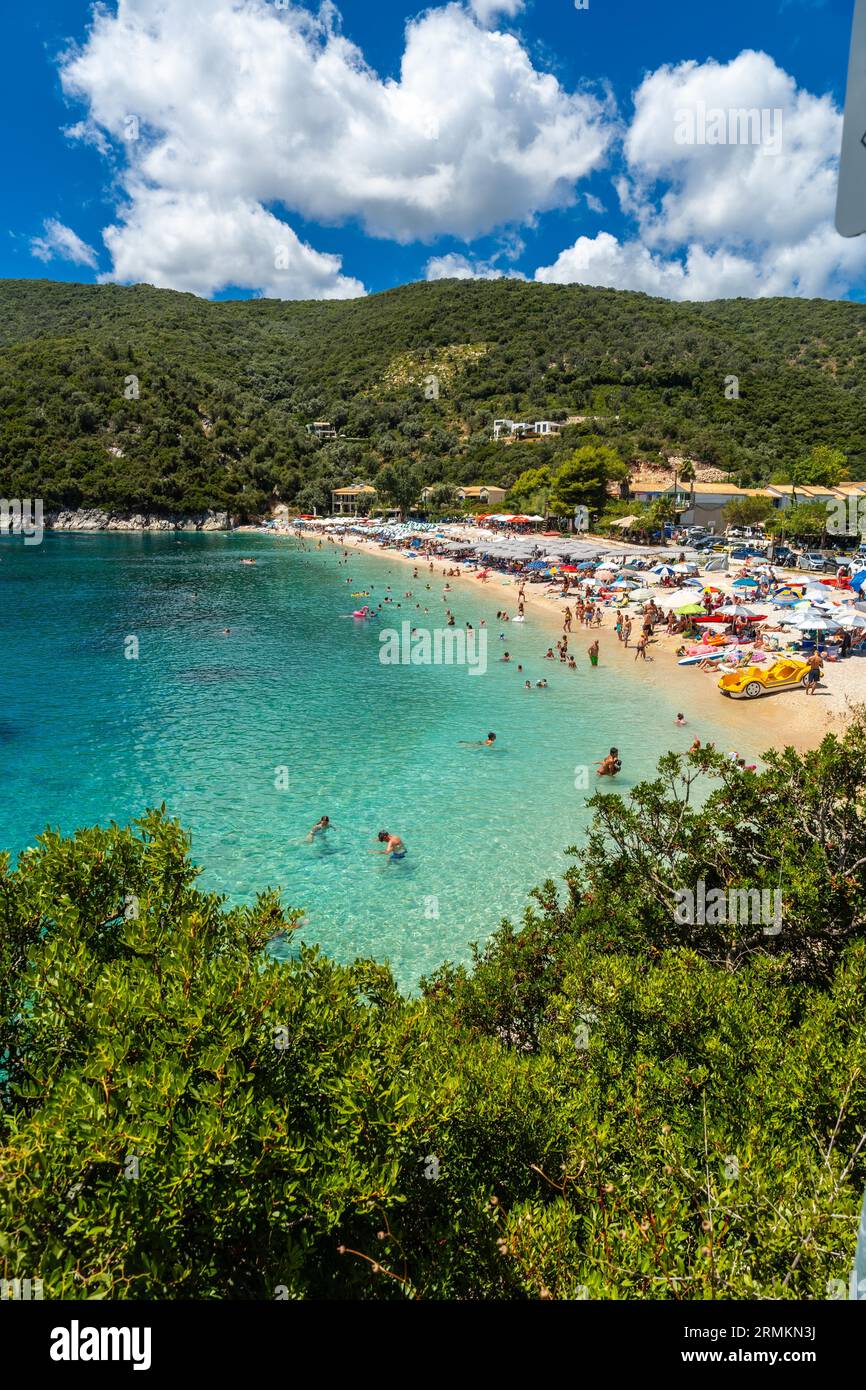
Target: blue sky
[(298, 151)]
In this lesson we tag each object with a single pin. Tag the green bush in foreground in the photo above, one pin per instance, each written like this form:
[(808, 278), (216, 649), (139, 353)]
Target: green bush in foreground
[(604, 1105)]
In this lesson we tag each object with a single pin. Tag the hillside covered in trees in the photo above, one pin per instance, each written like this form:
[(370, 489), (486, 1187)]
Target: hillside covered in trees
[(138, 397)]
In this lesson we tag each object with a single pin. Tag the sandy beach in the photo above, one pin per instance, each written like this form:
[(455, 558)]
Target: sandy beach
[(785, 719)]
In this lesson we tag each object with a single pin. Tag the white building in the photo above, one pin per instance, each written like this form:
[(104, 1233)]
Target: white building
[(517, 429)]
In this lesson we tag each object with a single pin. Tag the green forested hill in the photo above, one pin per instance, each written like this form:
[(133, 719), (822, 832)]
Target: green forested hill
[(225, 389)]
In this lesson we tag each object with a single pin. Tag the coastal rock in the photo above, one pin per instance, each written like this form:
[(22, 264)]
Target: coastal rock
[(94, 519)]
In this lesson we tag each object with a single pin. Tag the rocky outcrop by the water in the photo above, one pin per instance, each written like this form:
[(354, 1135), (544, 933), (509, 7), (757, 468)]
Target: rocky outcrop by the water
[(93, 519)]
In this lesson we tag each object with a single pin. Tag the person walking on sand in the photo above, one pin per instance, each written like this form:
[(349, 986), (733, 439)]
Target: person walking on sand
[(592, 651), (816, 670), (567, 619), (626, 631)]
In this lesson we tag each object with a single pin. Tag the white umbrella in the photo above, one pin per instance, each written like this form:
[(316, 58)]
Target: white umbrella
[(849, 617), (814, 621), (676, 598), (641, 596), (737, 610)]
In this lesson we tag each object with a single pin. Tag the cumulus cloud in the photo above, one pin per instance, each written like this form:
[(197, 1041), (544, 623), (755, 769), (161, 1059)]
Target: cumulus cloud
[(191, 241), (722, 219), (253, 106), (488, 10), (61, 243), (457, 267)]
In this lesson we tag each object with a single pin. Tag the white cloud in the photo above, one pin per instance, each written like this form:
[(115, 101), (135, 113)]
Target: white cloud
[(254, 106), (719, 220), (61, 243), (488, 10), (457, 267), (190, 241)]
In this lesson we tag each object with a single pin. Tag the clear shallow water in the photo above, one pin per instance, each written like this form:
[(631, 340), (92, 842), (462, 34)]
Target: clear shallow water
[(202, 721)]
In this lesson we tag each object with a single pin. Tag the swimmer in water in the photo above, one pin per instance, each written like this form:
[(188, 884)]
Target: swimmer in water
[(680, 721), (610, 765), (394, 847), (319, 828)]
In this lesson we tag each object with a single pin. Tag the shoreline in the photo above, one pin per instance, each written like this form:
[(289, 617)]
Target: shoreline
[(786, 719)]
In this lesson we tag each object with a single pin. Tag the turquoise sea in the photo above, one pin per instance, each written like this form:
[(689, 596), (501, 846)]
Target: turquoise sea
[(250, 737)]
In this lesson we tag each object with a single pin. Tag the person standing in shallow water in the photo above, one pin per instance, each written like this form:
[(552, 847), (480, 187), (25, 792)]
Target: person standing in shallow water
[(393, 846), (593, 653)]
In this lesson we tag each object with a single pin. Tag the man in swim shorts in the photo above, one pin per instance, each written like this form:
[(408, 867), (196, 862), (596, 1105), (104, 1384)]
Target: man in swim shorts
[(394, 847), (816, 669)]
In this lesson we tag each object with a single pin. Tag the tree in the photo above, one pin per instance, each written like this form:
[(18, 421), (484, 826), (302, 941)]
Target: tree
[(688, 475), (747, 511), (807, 520), (398, 484), (531, 491), (441, 496), (531, 481), (823, 466), (582, 480)]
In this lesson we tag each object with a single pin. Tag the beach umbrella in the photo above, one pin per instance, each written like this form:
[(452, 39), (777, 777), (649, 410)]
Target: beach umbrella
[(683, 568), (813, 621), (675, 598), (813, 594), (737, 610), (688, 610), (663, 570), (745, 583), (641, 596), (848, 617)]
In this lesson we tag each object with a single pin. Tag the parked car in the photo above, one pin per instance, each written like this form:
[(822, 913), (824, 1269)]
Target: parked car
[(816, 560), (746, 533), (786, 557), (747, 552)]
